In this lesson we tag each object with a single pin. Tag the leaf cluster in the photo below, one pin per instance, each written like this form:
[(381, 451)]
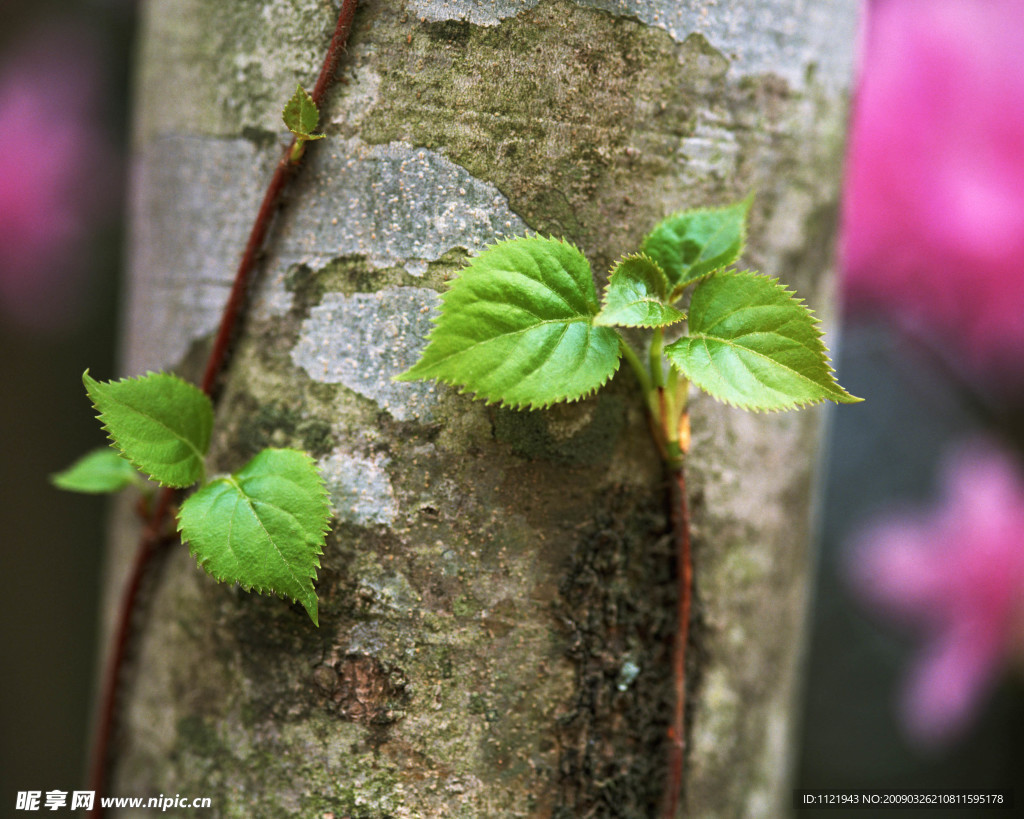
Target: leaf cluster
[(262, 527), (522, 325)]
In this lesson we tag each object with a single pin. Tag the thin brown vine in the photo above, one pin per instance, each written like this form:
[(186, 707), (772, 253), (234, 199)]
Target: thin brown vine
[(680, 516), (282, 174), (155, 536)]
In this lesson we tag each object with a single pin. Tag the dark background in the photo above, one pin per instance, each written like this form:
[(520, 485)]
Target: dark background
[(51, 557)]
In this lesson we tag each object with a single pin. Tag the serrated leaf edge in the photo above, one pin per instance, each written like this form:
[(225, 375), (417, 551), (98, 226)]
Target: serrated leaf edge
[(506, 239), (820, 348), (677, 291), (322, 494), (664, 301), (318, 544), (305, 95), (491, 400), (117, 446), (406, 375)]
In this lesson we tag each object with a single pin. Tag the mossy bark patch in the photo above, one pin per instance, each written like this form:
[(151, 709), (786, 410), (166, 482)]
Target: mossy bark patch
[(796, 40), (257, 49), (571, 113)]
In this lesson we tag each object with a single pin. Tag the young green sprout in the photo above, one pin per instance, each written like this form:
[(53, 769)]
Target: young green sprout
[(522, 326)]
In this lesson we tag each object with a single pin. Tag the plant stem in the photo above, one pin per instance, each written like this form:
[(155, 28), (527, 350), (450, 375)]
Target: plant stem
[(657, 373), (153, 535), (670, 426), (282, 173), (684, 580), (634, 361), (150, 545), (674, 428)]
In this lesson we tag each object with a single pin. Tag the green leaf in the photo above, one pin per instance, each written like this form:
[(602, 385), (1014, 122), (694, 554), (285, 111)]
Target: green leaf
[(97, 472), (301, 115), (752, 343), (159, 422), (518, 327), (262, 527), (693, 243), (636, 296)]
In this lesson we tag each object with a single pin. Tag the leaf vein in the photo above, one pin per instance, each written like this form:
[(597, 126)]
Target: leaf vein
[(729, 343)]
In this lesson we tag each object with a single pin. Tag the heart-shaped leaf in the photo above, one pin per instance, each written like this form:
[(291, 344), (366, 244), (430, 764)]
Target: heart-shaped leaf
[(262, 527), (159, 422), (518, 327)]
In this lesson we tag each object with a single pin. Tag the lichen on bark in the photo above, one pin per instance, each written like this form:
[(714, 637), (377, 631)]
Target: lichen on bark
[(495, 591)]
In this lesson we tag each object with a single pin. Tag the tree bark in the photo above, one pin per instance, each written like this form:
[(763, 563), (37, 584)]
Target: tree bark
[(496, 594)]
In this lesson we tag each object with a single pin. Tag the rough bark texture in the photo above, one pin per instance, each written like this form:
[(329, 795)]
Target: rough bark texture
[(496, 595)]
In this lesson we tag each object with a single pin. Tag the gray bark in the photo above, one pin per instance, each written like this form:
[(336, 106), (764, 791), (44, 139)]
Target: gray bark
[(496, 594)]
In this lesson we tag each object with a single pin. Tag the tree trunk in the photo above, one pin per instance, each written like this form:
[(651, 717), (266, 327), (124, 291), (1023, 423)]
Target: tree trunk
[(496, 597)]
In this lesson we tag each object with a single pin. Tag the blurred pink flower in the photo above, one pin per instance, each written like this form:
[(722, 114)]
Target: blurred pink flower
[(956, 573), (54, 172), (933, 212)]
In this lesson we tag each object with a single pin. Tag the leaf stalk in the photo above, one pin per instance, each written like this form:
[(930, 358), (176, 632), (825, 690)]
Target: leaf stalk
[(667, 400), (656, 358), (637, 365)]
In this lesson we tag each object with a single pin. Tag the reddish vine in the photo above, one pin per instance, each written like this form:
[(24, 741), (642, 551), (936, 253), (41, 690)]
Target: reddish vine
[(684, 580), (155, 535), (282, 174)]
